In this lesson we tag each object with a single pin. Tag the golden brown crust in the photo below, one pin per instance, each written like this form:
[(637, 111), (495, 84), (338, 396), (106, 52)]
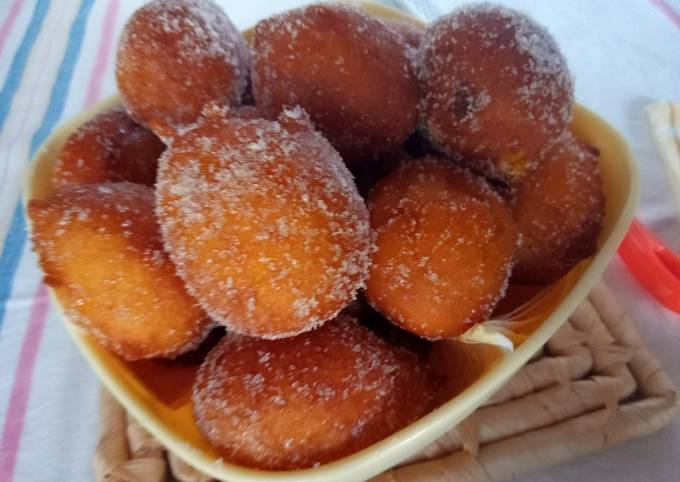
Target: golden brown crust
[(174, 58), (110, 147), (444, 243), (495, 89), (264, 222), (310, 399), (559, 210), (349, 71), (100, 249)]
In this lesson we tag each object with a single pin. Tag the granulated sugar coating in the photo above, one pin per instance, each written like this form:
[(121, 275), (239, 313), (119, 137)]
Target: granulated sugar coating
[(110, 147), (559, 210), (444, 242), (411, 34), (310, 399), (100, 248), (263, 221), (348, 70), (174, 57), (495, 89)]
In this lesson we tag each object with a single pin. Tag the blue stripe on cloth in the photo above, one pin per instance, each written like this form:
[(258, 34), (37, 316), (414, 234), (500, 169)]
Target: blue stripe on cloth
[(16, 69), (16, 238)]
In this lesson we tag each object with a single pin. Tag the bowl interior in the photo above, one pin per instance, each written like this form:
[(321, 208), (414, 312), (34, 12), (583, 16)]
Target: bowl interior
[(158, 392)]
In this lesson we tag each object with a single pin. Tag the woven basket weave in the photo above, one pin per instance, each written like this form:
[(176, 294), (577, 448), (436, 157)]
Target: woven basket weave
[(594, 385)]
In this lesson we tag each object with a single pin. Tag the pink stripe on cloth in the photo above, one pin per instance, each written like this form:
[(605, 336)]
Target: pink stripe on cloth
[(9, 22), (103, 53), (668, 11), (21, 389), (23, 377)]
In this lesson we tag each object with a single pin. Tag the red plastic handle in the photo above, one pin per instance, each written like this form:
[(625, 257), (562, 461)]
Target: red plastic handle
[(655, 266)]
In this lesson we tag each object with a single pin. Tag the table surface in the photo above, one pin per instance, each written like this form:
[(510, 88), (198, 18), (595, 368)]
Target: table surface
[(56, 57)]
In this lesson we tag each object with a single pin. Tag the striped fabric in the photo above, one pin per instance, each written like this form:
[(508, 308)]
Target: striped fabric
[(37, 54), (56, 58)]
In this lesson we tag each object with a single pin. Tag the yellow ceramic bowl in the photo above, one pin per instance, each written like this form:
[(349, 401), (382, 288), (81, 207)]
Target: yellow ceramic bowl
[(157, 393)]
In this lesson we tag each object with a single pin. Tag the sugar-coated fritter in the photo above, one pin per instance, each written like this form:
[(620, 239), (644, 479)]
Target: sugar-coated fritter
[(348, 70), (110, 147), (100, 249), (264, 222), (444, 244), (296, 402), (558, 210), (174, 58), (495, 89)]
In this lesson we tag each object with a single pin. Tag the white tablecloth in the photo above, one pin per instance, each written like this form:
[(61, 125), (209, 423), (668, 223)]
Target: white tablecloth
[(57, 56)]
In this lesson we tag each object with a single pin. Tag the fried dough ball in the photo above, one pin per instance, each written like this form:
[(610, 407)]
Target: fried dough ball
[(175, 57), (110, 147), (495, 89), (444, 242), (310, 399), (558, 210), (348, 70), (264, 222), (100, 248)]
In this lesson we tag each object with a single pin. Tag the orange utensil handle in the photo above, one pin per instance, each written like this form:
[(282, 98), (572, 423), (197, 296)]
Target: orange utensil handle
[(655, 266)]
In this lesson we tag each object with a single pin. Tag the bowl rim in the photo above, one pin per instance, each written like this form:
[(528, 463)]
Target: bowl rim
[(389, 451)]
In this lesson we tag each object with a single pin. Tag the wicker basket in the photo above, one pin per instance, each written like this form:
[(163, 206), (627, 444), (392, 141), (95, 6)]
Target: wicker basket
[(593, 386)]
